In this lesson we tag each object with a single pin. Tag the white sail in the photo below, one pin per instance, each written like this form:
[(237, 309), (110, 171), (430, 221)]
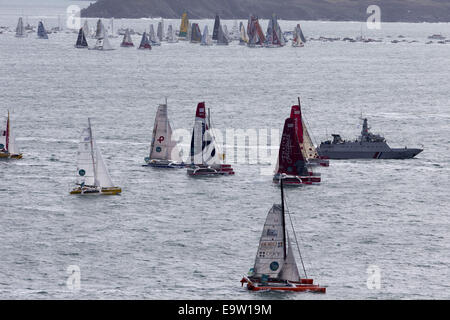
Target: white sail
[(290, 270), (197, 141), (210, 152), (163, 147), (160, 31), (86, 159), (189, 32), (100, 33), (12, 148), (206, 38), (103, 178), (270, 256), (308, 147)]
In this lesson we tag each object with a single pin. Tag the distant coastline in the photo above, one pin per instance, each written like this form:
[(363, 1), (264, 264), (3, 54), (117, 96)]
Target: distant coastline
[(322, 10)]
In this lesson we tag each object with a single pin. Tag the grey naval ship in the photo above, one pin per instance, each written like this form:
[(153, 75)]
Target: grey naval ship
[(367, 146)]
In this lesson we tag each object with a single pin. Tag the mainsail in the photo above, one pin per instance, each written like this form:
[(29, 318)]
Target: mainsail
[(81, 40), (271, 253), (171, 37), (100, 32), (160, 31), (203, 146), (216, 28), (163, 147), (20, 30), (196, 35), (184, 26), (290, 158), (41, 32), (8, 139)]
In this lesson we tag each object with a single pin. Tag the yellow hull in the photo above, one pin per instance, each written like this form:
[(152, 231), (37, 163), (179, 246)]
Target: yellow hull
[(103, 191), (4, 155)]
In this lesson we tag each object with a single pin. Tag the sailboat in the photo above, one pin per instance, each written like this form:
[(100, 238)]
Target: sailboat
[(274, 37), (184, 27), (171, 37), (102, 44), (20, 30), (92, 173), (8, 145), (216, 28), (205, 158), (255, 34), (145, 43), (81, 40), (299, 38), (222, 39), (243, 38), (206, 38), (41, 32), (275, 267), (309, 151), (291, 161), (152, 37), (196, 35), (164, 152), (160, 31), (127, 41)]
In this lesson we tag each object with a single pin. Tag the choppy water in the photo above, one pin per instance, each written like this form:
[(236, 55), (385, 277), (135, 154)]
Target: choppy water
[(171, 237)]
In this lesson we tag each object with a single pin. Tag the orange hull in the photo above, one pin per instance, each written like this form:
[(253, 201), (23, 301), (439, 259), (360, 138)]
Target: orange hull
[(304, 285)]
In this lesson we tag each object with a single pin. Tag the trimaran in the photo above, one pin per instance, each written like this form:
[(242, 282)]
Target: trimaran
[(275, 268)]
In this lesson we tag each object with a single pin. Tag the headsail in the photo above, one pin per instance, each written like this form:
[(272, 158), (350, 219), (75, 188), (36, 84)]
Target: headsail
[(271, 251), (160, 31), (152, 37), (289, 271), (103, 178)]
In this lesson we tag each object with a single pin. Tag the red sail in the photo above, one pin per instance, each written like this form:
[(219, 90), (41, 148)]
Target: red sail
[(291, 161), (201, 112), (296, 115)]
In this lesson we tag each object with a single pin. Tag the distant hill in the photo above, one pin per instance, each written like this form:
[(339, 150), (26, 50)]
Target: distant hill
[(335, 10)]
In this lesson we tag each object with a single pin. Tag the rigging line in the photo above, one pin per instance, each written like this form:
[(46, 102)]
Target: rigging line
[(296, 241)]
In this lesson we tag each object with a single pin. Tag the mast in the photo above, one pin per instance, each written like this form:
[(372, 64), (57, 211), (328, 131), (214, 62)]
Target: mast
[(92, 151), (282, 218)]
